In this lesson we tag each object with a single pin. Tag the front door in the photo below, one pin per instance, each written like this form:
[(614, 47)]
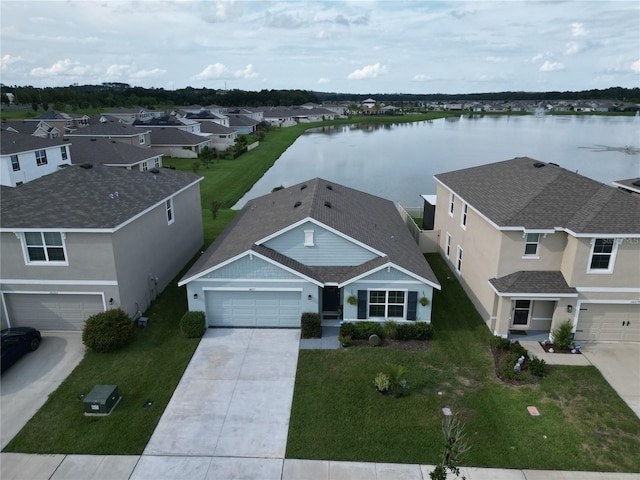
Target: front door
[(521, 312), (330, 299)]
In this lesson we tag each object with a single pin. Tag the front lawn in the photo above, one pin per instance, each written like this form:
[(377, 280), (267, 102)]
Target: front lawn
[(338, 415)]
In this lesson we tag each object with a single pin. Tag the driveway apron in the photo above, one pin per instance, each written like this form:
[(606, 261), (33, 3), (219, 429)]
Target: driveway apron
[(234, 399)]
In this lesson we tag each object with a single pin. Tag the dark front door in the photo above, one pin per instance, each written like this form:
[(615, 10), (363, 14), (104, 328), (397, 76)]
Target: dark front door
[(521, 312), (330, 299)]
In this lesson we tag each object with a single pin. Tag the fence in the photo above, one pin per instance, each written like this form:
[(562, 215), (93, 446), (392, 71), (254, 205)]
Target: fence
[(427, 240)]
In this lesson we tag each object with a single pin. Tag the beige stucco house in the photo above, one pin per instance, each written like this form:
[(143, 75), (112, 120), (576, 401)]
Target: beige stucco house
[(534, 245)]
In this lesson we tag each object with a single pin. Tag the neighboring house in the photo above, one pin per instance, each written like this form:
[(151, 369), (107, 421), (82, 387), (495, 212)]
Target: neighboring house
[(206, 115), (64, 122), (24, 158), (308, 248), (369, 103), (177, 143), (221, 137), (37, 129), (120, 132), (535, 245), (242, 124), (289, 116), (89, 239), (170, 121), (630, 185), (129, 115), (114, 154)]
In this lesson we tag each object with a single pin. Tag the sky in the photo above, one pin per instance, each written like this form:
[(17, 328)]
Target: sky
[(356, 46)]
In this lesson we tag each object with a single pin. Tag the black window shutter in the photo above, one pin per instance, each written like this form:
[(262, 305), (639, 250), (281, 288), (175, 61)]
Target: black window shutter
[(412, 305), (362, 304)]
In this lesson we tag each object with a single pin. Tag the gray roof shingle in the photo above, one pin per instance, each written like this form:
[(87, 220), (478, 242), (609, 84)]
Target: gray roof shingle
[(13, 143), (108, 152), (107, 129), (523, 192), (533, 282), (94, 198), (371, 220), (171, 136)]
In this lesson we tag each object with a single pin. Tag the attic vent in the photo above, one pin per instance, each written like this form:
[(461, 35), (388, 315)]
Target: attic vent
[(86, 166), (538, 164), (329, 187), (303, 187), (93, 140), (297, 204), (327, 204), (636, 183), (154, 170)]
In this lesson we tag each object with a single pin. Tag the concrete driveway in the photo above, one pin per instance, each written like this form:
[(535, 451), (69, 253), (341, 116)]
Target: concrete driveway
[(619, 364), (27, 384), (230, 411)]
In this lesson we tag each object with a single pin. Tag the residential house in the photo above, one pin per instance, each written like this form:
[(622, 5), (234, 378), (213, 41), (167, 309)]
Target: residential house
[(129, 115), (535, 245), (629, 185), (221, 137), (90, 238), (177, 143), (24, 158), (242, 124), (170, 121), (103, 151), (37, 129), (314, 247), (120, 132), (369, 103), (206, 115), (64, 122), (289, 116)]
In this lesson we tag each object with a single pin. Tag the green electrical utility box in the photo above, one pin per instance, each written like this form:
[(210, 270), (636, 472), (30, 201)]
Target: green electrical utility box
[(101, 400)]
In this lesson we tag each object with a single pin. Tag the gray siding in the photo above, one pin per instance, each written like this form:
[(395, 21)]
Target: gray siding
[(329, 249)]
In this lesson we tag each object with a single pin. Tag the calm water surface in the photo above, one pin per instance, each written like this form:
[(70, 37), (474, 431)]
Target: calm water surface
[(398, 161)]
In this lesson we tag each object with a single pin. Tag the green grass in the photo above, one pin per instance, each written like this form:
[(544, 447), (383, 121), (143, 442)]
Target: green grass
[(148, 368), (338, 415)]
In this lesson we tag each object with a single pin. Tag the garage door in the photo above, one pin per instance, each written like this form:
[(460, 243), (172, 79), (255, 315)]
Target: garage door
[(253, 309), (608, 322), (52, 311)]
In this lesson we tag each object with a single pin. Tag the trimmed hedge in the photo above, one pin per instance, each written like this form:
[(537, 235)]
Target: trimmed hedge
[(311, 325), (403, 331), (193, 324), (107, 331)]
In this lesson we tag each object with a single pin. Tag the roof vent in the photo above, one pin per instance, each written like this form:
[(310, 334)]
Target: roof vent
[(86, 166), (327, 204), (554, 164), (329, 187), (636, 183), (154, 170), (297, 204), (538, 164), (303, 186)]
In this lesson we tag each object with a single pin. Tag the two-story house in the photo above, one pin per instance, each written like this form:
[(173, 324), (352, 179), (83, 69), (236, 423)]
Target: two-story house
[(24, 158), (534, 245), (100, 150), (91, 237), (120, 132)]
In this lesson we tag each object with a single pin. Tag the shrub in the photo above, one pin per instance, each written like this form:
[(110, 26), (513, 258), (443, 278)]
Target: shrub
[(193, 324), (538, 367), (382, 382), (562, 335), (107, 331), (345, 340), (414, 331), (501, 343), (311, 325), (396, 374), (347, 330), (390, 329), (518, 350), (506, 371), (363, 330)]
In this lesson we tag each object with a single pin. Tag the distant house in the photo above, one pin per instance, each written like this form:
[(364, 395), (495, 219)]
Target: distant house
[(314, 247), (24, 158), (102, 151), (289, 116), (369, 103), (177, 143), (242, 124), (221, 137), (534, 245), (120, 132), (91, 238), (64, 122), (170, 121), (129, 115), (37, 129)]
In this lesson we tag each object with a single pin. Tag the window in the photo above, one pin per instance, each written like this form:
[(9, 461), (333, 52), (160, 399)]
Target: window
[(169, 205), (141, 138), (603, 252), (387, 303), (15, 163), (41, 157), (44, 247), (156, 162), (63, 151), (144, 166), (521, 311), (447, 248), (463, 217), (531, 244), (459, 260), (452, 202), (308, 238)]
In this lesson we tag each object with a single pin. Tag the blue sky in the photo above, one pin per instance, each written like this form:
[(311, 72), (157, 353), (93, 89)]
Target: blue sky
[(355, 46)]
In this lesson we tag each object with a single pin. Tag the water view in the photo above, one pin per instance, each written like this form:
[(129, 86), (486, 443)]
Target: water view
[(398, 161)]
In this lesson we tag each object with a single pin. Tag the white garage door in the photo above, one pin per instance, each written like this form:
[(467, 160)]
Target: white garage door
[(253, 309), (608, 322), (52, 311)]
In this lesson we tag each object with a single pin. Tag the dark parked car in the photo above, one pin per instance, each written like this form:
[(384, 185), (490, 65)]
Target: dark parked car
[(16, 342)]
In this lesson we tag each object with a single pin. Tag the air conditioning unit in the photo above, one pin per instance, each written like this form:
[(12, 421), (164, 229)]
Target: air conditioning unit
[(101, 400)]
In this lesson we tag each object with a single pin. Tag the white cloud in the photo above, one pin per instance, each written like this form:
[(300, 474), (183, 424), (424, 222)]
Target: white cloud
[(369, 71), (117, 71), (492, 59), (156, 72), (551, 66), (322, 81), (61, 68), (246, 73), (223, 11), (217, 70), (537, 58), (571, 48), (7, 60), (635, 66), (421, 77), (578, 30)]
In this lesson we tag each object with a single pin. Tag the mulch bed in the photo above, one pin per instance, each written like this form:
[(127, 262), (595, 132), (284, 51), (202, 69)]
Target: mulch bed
[(547, 346), (497, 357)]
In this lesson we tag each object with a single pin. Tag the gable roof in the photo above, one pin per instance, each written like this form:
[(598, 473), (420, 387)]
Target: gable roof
[(108, 152), (216, 128), (14, 143), (523, 193), (97, 198), (175, 137), (238, 120), (364, 218), (108, 129)]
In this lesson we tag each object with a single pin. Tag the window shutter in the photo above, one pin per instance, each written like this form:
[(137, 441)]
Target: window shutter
[(362, 304), (412, 305)]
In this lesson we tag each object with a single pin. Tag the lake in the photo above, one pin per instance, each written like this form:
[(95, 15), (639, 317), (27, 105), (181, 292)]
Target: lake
[(398, 161)]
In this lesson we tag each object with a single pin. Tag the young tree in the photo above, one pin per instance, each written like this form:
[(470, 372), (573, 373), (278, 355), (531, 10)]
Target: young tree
[(214, 206), (195, 166), (456, 446)]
